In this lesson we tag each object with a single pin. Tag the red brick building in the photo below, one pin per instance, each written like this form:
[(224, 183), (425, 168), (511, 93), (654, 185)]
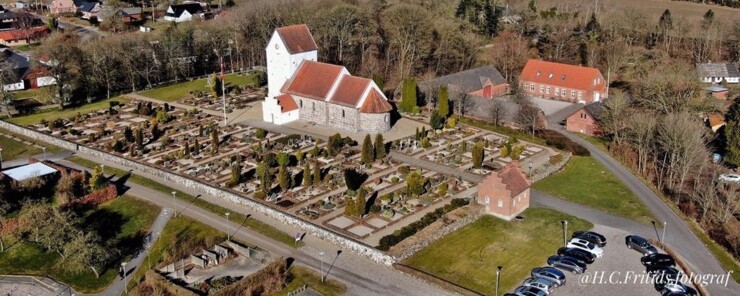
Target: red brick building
[(585, 120), (562, 82), (505, 193)]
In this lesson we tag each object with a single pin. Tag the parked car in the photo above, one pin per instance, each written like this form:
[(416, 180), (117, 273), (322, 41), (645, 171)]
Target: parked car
[(640, 244), (591, 236), (529, 291), (664, 271), (567, 263), (581, 255), (664, 260), (550, 273), (675, 286), (735, 178), (669, 293), (586, 246), (540, 283)]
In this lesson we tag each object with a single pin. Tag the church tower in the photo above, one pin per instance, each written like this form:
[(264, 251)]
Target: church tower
[(288, 47)]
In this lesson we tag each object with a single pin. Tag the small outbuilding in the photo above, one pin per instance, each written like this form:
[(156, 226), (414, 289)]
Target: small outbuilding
[(585, 120), (505, 193), (30, 171)]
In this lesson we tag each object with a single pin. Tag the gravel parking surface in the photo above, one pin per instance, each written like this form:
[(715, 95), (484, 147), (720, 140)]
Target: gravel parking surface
[(618, 272)]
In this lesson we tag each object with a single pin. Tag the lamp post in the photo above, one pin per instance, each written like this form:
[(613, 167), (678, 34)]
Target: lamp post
[(223, 81), (321, 254), (228, 231), (123, 266), (1, 158), (656, 230), (231, 58), (565, 231), (44, 148), (530, 170), (174, 203), (498, 275)]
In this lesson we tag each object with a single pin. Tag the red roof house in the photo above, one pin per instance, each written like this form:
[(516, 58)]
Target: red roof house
[(562, 82), (505, 193), (585, 120)]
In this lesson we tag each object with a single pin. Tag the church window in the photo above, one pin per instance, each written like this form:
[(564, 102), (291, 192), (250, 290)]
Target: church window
[(385, 118), (313, 106), (500, 203), (300, 102), (342, 113), (487, 200)]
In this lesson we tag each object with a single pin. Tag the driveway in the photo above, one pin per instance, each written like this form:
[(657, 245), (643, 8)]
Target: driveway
[(678, 235)]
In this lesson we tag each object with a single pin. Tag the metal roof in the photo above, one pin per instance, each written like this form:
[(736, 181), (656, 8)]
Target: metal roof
[(29, 171)]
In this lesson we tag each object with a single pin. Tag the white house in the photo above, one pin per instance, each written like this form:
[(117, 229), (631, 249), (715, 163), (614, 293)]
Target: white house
[(183, 12), (718, 72), (17, 65), (300, 87)]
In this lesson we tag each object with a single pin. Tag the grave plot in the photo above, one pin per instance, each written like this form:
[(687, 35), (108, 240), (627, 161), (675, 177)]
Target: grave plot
[(236, 98)]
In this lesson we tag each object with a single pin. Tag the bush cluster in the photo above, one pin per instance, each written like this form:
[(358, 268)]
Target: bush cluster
[(555, 139), (399, 235)]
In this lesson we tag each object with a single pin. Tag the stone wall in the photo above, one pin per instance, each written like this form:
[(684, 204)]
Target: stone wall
[(473, 213), (311, 110), (187, 183), (550, 169), (375, 123), (343, 117)]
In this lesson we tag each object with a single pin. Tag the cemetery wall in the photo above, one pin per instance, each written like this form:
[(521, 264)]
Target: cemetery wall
[(185, 182)]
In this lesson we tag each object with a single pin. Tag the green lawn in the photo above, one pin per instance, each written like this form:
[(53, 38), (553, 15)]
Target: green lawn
[(469, 256), (587, 182), (180, 236), (124, 219), (13, 149), (22, 147), (29, 93), (252, 224), (64, 113), (300, 276), (174, 92)]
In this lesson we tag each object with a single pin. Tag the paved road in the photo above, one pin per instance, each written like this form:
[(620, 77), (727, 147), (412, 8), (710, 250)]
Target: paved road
[(361, 276), (678, 234), (117, 287), (85, 32)]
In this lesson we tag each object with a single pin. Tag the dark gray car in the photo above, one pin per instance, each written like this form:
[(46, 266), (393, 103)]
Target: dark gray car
[(550, 273), (567, 263), (640, 244)]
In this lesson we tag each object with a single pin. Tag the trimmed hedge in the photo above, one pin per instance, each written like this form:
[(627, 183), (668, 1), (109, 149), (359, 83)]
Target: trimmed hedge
[(557, 140), (399, 235)]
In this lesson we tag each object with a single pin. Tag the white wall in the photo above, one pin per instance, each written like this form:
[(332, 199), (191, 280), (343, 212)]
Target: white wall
[(45, 81), (14, 86), (281, 64)]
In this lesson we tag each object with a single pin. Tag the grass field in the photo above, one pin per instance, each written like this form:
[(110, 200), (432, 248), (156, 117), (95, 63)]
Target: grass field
[(174, 92), (180, 236), (252, 224), (133, 216), (587, 182), (29, 93), (13, 149), (64, 113), (300, 276), (490, 242)]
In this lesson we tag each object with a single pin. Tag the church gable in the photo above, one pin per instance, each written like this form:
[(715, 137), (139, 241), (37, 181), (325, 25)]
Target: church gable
[(297, 38)]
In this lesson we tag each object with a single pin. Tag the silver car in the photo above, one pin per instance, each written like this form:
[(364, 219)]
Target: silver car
[(540, 283)]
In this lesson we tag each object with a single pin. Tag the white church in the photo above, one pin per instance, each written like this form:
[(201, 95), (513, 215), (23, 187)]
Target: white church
[(300, 87)]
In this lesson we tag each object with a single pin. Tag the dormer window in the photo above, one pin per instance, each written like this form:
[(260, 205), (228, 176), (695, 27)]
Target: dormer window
[(550, 76), (563, 78), (538, 73)]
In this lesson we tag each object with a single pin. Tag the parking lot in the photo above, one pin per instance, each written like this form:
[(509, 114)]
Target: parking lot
[(618, 272)]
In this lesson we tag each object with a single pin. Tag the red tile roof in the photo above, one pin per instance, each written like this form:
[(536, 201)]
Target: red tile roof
[(563, 75), (349, 91), (375, 103), (313, 80), (18, 34), (297, 38), (512, 177), (286, 102)]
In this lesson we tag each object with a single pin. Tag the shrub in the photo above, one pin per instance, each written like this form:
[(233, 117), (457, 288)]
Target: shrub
[(260, 133), (394, 180), (399, 235), (555, 159), (557, 140), (404, 170)]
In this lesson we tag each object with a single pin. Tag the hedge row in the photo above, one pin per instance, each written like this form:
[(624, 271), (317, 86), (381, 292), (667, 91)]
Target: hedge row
[(557, 140), (399, 235)]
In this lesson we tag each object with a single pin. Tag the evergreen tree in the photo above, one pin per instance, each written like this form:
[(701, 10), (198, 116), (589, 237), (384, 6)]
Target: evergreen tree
[(443, 105), (214, 139), (666, 22), (186, 149), (462, 8), (593, 27), (315, 151), (708, 19), (155, 131), (196, 147), (477, 155), (283, 159), (379, 147), (97, 180), (139, 138), (236, 173), (128, 134), (492, 16), (532, 6), (360, 202), (349, 206), (283, 178), (378, 81), (306, 175), (316, 174), (263, 173), (435, 121), (417, 135), (368, 155), (408, 96)]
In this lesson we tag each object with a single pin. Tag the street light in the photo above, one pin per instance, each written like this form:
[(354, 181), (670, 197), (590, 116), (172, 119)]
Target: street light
[(498, 275), (565, 230), (174, 203), (123, 266), (321, 254), (656, 230), (44, 148), (530, 170), (228, 231)]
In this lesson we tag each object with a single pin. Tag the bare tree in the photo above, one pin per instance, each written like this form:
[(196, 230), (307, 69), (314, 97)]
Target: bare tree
[(527, 116), (509, 54), (640, 133), (498, 112), (614, 119)]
